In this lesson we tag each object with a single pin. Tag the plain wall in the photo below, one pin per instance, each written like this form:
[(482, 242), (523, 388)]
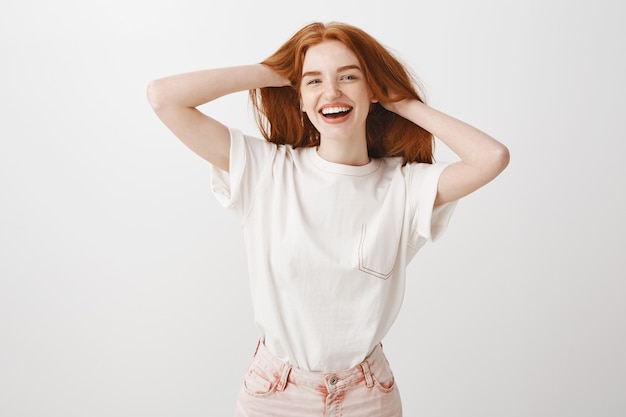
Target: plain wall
[(123, 283)]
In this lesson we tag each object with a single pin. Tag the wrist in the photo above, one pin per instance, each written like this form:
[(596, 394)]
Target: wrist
[(273, 78)]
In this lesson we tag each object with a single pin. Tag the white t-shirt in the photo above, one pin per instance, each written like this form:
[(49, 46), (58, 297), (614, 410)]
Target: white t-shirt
[(327, 245)]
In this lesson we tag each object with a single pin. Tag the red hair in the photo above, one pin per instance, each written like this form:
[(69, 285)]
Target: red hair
[(277, 109)]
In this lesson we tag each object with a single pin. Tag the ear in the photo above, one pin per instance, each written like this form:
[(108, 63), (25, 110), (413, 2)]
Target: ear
[(373, 99)]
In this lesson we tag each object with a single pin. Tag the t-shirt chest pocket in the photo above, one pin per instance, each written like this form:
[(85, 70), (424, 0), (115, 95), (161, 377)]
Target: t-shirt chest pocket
[(378, 247)]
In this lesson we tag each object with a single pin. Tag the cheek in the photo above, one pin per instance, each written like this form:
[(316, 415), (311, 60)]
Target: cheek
[(306, 104)]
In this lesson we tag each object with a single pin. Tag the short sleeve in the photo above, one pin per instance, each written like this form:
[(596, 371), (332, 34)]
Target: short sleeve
[(428, 222), (249, 157)]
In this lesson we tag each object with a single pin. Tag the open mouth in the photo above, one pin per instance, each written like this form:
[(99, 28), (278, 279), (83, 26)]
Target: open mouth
[(335, 112)]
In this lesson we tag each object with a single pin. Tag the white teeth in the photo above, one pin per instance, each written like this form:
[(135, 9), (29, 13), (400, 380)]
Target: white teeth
[(331, 110)]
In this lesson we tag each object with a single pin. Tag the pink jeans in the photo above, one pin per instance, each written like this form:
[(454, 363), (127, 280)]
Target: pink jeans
[(272, 388)]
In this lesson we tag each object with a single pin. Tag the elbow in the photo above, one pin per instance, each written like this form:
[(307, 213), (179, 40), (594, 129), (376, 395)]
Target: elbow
[(154, 94), (492, 162), (501, 157), (497, 160)]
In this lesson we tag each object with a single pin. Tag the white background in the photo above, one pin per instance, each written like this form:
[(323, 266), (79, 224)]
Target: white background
[(123, 283)]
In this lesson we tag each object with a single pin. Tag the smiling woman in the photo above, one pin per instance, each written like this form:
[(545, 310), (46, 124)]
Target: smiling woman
[(336, 99), (365, 60), (334, 204)]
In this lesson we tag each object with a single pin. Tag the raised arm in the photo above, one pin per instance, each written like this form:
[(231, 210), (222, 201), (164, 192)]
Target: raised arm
[(175, 100), (482, 157)]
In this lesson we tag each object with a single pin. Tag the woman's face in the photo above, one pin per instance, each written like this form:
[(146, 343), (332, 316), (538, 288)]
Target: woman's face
[(334, 92)]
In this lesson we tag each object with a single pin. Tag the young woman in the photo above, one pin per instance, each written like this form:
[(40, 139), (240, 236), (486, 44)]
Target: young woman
[(334, 203)]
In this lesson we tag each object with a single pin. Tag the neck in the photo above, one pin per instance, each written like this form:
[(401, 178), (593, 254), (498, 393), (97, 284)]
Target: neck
[(344, 152)]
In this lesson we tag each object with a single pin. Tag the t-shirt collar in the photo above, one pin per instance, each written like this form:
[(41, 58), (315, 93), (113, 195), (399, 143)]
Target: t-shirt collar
[(336, 168)]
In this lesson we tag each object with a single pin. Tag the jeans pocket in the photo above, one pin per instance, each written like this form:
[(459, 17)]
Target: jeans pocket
[(383, 376), (385, 383), (258, 382)]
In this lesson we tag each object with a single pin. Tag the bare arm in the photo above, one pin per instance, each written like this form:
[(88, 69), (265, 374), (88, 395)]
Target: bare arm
[(482, 157), (175, 98)]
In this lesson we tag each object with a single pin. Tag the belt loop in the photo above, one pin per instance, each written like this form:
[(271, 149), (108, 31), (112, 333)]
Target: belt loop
[(284, 376), (368, 375), (258, 344)]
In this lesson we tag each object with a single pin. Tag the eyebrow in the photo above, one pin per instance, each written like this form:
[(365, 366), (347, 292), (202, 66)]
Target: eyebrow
[(340, 69)]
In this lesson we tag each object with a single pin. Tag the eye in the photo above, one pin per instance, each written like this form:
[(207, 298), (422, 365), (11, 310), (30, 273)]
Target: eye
[(313, 81), (348, 77)]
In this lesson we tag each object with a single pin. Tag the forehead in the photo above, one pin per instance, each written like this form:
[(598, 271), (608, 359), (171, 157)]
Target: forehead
[(329, 54)]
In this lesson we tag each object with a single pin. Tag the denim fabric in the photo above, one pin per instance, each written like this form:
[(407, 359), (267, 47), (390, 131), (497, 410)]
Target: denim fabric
[(272, 388)]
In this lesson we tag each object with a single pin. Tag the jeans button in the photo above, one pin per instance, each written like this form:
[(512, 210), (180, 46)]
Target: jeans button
[(333, 380)]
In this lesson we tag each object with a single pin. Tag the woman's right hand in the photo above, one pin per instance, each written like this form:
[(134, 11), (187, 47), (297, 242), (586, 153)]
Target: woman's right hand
[(175, 100), (275, 79)]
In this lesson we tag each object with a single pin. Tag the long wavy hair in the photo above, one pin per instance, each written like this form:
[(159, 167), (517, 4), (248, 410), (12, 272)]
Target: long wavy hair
[(280, 119)]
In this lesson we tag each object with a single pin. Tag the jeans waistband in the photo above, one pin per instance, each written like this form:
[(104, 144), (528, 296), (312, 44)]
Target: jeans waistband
[(373, 363)]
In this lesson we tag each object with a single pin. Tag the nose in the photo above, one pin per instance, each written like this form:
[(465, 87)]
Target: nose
[(332, 90)]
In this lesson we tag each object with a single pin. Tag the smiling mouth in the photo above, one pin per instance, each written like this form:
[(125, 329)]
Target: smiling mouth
[(334, 112)]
